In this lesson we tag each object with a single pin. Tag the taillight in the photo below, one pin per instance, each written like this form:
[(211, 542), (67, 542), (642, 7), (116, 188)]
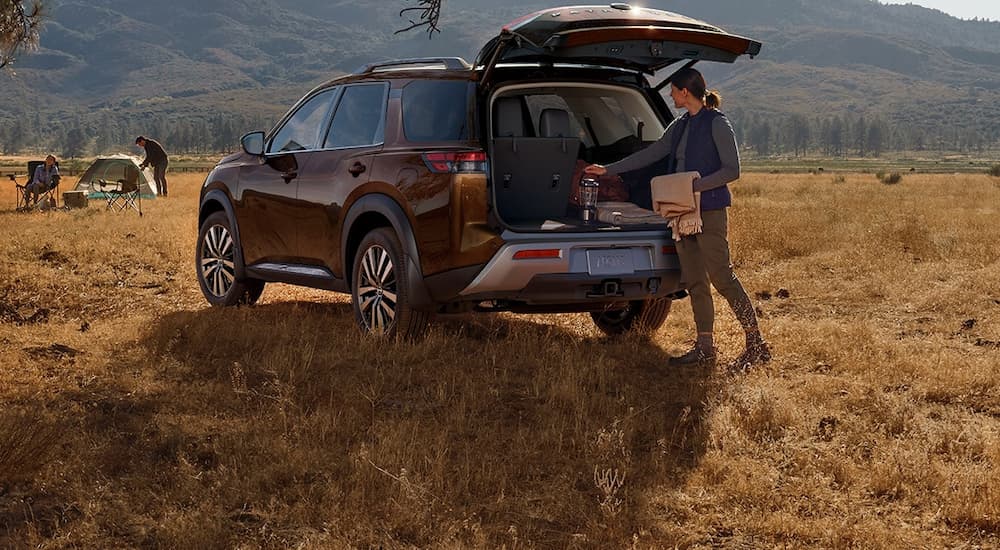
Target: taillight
[(456, 162), (538, 254), (667, 249)]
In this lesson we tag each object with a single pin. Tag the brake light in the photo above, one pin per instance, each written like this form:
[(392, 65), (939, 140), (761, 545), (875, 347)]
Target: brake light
[(463, 162), (538, 254)]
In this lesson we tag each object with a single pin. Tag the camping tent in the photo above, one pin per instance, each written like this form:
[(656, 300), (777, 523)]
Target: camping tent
[(112, 169)]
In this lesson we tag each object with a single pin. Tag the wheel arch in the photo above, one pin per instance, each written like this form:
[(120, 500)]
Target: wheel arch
[(371, 212), (217, 201)]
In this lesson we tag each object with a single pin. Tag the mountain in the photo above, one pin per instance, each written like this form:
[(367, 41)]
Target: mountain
[(113, 66)]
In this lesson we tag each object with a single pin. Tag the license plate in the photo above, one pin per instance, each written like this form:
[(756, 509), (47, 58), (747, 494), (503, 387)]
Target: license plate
[(610, 262)]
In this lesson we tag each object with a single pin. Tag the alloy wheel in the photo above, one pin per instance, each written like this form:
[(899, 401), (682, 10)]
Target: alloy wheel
[(218, 269), (377, 289)]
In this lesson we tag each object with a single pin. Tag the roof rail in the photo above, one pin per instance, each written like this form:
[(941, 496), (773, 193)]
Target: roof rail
[(451, 63)]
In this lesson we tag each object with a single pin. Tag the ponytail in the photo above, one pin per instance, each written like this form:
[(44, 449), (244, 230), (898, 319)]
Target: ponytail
[(713, 99)]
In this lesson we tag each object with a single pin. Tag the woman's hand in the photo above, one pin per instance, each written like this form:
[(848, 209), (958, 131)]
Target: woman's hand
[(595, 170)]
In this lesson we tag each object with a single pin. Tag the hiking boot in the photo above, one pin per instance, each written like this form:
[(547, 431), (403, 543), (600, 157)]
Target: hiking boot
[(755, 354), (697, 356)]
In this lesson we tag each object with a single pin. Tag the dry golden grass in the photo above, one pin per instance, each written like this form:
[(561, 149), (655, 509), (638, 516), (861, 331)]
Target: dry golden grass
[(133, 415)]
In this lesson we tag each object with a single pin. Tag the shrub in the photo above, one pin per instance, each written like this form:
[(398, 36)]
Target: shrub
[(839, 178), (994, 171), (880, 175)]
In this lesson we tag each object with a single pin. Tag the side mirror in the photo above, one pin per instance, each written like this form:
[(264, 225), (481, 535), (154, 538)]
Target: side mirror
[(253, 143)]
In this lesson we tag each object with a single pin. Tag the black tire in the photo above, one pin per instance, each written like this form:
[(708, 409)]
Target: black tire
[(380, 289), (217, 263), (641, 317)]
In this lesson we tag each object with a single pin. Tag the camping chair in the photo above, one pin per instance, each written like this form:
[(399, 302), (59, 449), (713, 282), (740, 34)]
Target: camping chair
[(121, 195), (46, 198), (20, 193)]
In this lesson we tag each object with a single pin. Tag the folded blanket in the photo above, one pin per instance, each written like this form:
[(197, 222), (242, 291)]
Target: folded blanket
[(675, 199), (687, 224), (626, 213)]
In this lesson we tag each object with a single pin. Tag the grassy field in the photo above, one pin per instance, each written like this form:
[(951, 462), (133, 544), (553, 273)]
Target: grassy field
[(133, 415)]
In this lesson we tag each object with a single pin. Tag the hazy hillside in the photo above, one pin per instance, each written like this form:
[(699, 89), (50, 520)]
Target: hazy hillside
[(252, 58)]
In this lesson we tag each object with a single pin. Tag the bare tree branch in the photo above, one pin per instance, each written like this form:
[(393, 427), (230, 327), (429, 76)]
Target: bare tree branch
[(18, 28), (430, 12)]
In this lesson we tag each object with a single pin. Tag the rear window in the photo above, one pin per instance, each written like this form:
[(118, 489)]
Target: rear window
[(436, 110)]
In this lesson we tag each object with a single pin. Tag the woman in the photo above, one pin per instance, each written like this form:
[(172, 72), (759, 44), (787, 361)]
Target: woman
[(41, 180), (702, 140)]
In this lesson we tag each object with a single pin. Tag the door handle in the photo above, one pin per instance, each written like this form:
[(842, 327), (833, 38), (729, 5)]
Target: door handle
[(289, 176), (357, 169)]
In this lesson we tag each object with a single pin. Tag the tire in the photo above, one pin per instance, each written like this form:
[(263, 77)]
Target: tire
[(643, 317), (217, 263), (380, 290)]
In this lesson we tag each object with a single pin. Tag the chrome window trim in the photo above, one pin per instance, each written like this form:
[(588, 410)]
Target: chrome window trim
[(328, 120)]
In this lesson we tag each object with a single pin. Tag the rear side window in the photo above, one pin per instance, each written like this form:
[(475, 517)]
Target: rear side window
[(436, 110), (359, 118)]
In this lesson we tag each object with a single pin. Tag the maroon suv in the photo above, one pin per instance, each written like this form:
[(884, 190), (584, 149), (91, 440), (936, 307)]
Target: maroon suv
[(427, 186)]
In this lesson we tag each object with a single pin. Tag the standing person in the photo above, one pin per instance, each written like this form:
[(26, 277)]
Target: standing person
[(702, 140), (41, 180), (157, 158)]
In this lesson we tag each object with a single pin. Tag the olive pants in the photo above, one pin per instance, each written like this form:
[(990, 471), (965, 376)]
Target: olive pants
[(705, 258)]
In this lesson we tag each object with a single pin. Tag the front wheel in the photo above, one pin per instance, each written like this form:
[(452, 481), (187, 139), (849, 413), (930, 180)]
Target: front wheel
[(380, 289), (216, 264), (641, 316)]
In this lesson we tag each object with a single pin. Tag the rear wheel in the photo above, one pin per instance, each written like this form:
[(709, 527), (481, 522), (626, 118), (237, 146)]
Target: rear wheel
[(380, 289), (640, 316), (217, 262)]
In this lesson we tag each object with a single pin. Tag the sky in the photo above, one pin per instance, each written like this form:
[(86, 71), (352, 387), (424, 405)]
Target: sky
[(965, 9)]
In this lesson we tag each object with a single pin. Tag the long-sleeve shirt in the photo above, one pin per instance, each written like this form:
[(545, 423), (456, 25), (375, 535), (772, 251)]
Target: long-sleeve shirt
[(725, 141), (43, 176), (155, 155)]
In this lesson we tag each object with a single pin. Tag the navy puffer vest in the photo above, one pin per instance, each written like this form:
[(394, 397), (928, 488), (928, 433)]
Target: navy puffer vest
[(701, 154)]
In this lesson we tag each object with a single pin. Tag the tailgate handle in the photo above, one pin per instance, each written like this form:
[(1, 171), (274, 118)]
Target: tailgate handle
[(555, 181), (506, 181)]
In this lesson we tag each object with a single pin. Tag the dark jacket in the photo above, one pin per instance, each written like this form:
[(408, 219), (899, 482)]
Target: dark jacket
[(155, 155)]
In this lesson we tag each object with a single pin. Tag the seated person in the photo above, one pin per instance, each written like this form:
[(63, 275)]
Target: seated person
[(42, 180)]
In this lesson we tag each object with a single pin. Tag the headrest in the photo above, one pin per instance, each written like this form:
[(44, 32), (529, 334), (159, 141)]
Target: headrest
[(554, 123), (509, 118)]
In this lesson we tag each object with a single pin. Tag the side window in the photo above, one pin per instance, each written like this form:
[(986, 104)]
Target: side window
[(626, 125), (539, 102), (302, 130), (436, 110), (360, 117)]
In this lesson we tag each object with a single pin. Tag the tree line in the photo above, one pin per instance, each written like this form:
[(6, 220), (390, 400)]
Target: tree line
[(218, 133), (758, 135), (853, 135)]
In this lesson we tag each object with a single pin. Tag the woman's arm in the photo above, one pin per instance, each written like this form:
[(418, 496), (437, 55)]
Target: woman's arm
[(644, 157), (729, 155)]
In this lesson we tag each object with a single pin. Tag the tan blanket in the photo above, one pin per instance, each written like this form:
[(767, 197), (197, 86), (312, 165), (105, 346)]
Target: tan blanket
[(675, 200)]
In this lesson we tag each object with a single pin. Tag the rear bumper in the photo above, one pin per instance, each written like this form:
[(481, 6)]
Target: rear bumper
[(564, 289), (649, 268)]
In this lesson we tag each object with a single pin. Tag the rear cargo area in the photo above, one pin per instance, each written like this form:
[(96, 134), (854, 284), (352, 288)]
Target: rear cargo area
[(542, 137)]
